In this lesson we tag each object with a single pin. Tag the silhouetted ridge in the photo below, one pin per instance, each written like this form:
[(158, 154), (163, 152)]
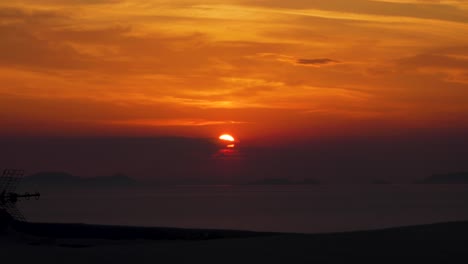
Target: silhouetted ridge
[(380, 182), (63, 178), (284, 181), (129, 232), (51, 177), (449, 178)]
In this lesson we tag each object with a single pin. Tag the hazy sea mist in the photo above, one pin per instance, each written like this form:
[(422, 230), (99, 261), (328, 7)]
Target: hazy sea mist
[(310, 209)]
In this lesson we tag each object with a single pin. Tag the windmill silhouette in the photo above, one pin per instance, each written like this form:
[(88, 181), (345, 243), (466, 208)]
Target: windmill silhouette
[(9, 197)]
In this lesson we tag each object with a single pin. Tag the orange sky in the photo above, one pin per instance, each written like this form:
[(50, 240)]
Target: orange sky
[(257, 69)]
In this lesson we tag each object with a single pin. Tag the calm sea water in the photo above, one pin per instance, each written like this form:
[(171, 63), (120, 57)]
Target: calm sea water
[(310, 209)]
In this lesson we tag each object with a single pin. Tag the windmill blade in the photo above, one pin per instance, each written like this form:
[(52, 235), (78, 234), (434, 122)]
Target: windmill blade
[(13, 211), (4, 180), (10, 180), (15, 180), (8, 197)]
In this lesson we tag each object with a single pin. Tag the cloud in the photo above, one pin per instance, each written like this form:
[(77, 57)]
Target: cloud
[(450, 65), (315, 62), (437, 11), (172, 122), (42, 40), (11, 14), (434, 60), (71, 2), (24, 42)]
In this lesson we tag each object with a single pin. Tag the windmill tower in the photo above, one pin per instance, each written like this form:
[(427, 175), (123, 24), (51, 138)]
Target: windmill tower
[(9, 197)]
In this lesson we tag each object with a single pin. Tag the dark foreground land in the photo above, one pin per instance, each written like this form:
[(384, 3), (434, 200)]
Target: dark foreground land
[(76, 243)]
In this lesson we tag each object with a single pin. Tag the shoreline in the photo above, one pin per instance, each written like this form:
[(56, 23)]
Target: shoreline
[(432, 243), (83, 230)]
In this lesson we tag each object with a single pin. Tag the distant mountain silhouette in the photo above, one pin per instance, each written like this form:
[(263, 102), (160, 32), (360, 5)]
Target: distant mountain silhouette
[(308, 181), (114, 180), (380, 182), (449, 178), (284, 181), (51, 178), (66, 179)]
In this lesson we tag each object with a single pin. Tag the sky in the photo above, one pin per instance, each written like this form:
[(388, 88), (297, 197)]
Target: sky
[(283, 73)]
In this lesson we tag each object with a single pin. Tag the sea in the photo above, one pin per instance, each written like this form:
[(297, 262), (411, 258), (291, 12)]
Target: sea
[(321, 208)]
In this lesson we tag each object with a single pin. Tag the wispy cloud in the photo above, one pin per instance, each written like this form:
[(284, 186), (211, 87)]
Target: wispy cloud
[(172, 122), (316, 62), (422, 10)]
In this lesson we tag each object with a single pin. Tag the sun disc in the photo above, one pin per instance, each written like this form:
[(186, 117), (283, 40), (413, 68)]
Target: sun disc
[(227, 137)]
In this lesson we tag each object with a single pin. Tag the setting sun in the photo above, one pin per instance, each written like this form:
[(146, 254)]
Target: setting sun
[(227, 137)]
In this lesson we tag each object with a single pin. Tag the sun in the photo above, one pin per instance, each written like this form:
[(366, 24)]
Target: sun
[(227, 137)]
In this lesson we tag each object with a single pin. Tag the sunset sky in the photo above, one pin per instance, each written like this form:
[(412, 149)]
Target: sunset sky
[(257, 69), (268, 72)]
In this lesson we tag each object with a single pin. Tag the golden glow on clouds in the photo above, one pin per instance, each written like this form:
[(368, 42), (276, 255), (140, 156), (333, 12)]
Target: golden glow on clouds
[(173, 122), (158, 67)]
